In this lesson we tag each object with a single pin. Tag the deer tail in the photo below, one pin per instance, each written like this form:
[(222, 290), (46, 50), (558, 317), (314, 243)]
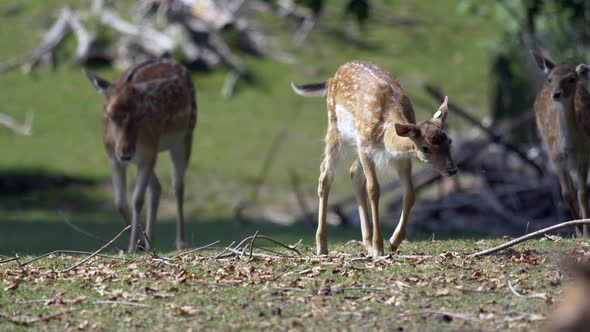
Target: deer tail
[(311, 89)]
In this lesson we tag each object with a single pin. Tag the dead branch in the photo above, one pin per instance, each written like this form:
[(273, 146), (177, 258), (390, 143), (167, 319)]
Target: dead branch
[(467, 317), (8, 260), (70, 252), (515, 292), (84, 38), (252, 243), (28, 320), (530, 236), (10, 123), (53, 38), (98, 251), (194, 250), (133, 304)]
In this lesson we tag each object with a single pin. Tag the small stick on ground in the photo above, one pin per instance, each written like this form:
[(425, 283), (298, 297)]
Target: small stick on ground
[(8, 260), (98, 251), (133, 304), (530, 236), (515, 292), (252, 243), (71, 252), (196, 249)]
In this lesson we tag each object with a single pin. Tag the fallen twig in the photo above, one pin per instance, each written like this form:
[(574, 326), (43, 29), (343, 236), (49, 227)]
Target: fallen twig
[(133, 304), (8, 260), (426, 312), (530, 236), (28, 320), (98, 251), (252, 243), (195, 249), (515, 292), (72, 252), (10, 123)]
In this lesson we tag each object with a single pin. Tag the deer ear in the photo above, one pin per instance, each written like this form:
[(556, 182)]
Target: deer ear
[(542, 62), (406, 130), (583, 71), (440, 115), (100, 84)]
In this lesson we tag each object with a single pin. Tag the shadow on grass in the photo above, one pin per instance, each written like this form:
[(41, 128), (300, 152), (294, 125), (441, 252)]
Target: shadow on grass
[(33, 237), (37, 204), (41, 236), (39, 189)]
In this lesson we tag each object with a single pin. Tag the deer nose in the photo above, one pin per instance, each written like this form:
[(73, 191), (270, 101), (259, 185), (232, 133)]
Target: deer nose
[(126, 157), (556, 94), (452, 171)]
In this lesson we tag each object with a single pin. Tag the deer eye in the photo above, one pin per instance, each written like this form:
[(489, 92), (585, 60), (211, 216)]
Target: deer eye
[(425, 149), (549, 80), (572, 80)]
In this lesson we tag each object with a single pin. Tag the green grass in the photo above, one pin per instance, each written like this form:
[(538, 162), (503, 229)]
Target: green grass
[(305, 293)]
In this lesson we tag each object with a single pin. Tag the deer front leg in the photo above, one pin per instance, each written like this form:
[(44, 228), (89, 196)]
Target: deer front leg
[(359, 183), (144, 175), (154, 191), (180, 156), (404, 170), (324, 184), (567, 192), (119, 177), (374, 193), (581, 177)]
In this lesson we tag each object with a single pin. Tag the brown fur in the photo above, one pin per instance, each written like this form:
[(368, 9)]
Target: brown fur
[(149, 108)]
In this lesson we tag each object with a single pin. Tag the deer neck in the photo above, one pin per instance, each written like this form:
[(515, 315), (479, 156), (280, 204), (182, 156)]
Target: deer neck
[(398, 147), (568, 125)]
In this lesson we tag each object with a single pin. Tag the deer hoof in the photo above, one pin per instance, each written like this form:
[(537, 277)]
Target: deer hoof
[(322, 250), (181, 245)]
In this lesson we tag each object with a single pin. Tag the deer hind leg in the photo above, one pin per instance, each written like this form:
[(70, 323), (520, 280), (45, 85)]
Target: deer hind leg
[(180, 156), (373, 192), (581, 177), (144, 176), (324, 184), (404, 170), (359, 183), (567, 193), (119, 177), (154, 191)]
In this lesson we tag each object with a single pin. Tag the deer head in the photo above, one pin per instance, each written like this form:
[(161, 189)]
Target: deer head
[(433, 145), (562, 78), (124, 108)]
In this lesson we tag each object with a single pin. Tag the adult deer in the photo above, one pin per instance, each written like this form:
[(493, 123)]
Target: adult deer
[(562, 110), (368, 109), (149, 108)]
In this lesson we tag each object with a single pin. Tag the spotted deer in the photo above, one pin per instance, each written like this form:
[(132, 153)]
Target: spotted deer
[(562, 111), (368, 109), (149, 108)]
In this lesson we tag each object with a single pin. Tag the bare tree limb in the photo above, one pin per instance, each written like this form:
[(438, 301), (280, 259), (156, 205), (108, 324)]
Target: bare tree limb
[(530, 236)]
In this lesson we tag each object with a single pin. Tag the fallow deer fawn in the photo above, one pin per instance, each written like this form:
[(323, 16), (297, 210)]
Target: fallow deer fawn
[(149, 108), (562, 109), (368, 109)]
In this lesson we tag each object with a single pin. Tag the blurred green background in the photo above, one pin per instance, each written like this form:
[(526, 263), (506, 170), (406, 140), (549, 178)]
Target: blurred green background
[(60, 173)]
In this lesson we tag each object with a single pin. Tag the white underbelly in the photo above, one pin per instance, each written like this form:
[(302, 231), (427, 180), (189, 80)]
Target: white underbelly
[(346, 125)]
